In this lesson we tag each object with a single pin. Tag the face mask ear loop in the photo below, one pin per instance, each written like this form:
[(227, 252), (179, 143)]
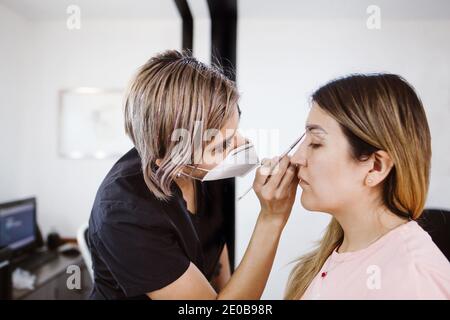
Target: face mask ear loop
[(192, 170)]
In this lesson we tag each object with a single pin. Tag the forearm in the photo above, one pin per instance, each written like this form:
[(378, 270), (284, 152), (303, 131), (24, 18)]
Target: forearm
[(250, 277), (276, 194)]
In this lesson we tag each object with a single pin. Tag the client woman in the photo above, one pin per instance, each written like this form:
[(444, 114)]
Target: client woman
[(366, 161)]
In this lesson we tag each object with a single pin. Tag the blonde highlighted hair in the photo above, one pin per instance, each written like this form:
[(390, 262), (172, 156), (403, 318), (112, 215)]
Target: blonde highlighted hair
[(375, 112), (174, 91)]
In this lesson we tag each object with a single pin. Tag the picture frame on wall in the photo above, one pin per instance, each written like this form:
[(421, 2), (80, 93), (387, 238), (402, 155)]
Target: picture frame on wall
[(91, 124)]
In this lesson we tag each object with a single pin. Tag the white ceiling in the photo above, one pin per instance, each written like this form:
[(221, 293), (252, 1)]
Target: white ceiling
[(342, 9), (94, 9), (251, 9)]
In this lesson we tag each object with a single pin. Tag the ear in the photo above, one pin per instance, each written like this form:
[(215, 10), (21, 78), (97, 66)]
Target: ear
[(380, 168)]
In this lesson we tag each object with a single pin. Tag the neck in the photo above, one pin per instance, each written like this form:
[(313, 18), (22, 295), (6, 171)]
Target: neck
[(364, 225), (187, 188)]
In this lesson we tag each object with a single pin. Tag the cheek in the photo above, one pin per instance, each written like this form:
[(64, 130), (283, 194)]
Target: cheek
[(211, 159), (331, 184)]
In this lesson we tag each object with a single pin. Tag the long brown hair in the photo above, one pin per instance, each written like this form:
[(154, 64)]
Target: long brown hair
[(375, 112), (174, 91)]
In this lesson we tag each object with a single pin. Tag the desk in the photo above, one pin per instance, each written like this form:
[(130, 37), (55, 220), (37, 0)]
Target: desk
[(51, 281)]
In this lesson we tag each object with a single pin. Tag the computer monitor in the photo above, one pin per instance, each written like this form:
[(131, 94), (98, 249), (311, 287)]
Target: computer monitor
[(19, 232)]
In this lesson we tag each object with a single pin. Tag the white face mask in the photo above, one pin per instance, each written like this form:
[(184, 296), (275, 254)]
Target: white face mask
[(237, 163)]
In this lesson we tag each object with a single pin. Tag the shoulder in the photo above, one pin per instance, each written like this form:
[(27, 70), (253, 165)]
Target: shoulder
[(421, 263), (123, 197), (420, 248), (124, 179)]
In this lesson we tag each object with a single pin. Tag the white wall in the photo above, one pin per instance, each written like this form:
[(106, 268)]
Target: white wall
[(49, 57), (281, 62), (12, 62)]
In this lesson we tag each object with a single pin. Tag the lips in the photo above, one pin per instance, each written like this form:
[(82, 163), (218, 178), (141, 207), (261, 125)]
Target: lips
[(301, 180)]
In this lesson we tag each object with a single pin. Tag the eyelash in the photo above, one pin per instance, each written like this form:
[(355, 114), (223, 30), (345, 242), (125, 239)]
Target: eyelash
[(314, 145), (227, 144)]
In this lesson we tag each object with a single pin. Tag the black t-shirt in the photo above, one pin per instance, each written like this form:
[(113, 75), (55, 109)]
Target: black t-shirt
[(139, 243)]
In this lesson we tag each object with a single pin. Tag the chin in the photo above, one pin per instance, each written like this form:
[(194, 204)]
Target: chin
[(311, 205), (306, 203)]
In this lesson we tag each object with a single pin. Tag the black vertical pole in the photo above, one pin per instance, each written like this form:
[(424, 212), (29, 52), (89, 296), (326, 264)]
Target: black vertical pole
[(224, 34), (187, 24), (223, 51)]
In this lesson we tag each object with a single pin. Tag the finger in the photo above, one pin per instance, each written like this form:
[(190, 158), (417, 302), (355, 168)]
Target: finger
[(287, 191), (278, 172), (261, 177), (292, 188), (268, 166), (287, 180)]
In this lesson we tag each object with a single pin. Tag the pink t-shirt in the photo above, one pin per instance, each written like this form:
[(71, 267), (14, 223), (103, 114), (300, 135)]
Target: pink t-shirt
[(403, 264)]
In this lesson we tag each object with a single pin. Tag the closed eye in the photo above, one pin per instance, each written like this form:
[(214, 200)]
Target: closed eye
[(314, 145), (227, 143)]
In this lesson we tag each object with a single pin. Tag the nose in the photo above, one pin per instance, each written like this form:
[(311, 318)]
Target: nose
[(299, 156)]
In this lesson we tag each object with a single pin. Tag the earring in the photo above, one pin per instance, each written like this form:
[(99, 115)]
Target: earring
[(369, 181), (178, 174)]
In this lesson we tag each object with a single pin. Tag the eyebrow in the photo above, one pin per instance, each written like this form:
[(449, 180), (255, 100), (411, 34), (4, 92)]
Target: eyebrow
[(310, 127)]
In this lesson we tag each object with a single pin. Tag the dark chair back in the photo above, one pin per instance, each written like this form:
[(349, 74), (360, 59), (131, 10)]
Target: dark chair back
[(437, 223)]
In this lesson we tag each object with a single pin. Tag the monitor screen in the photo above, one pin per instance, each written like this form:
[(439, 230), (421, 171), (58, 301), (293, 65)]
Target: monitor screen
[(18, 225)]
